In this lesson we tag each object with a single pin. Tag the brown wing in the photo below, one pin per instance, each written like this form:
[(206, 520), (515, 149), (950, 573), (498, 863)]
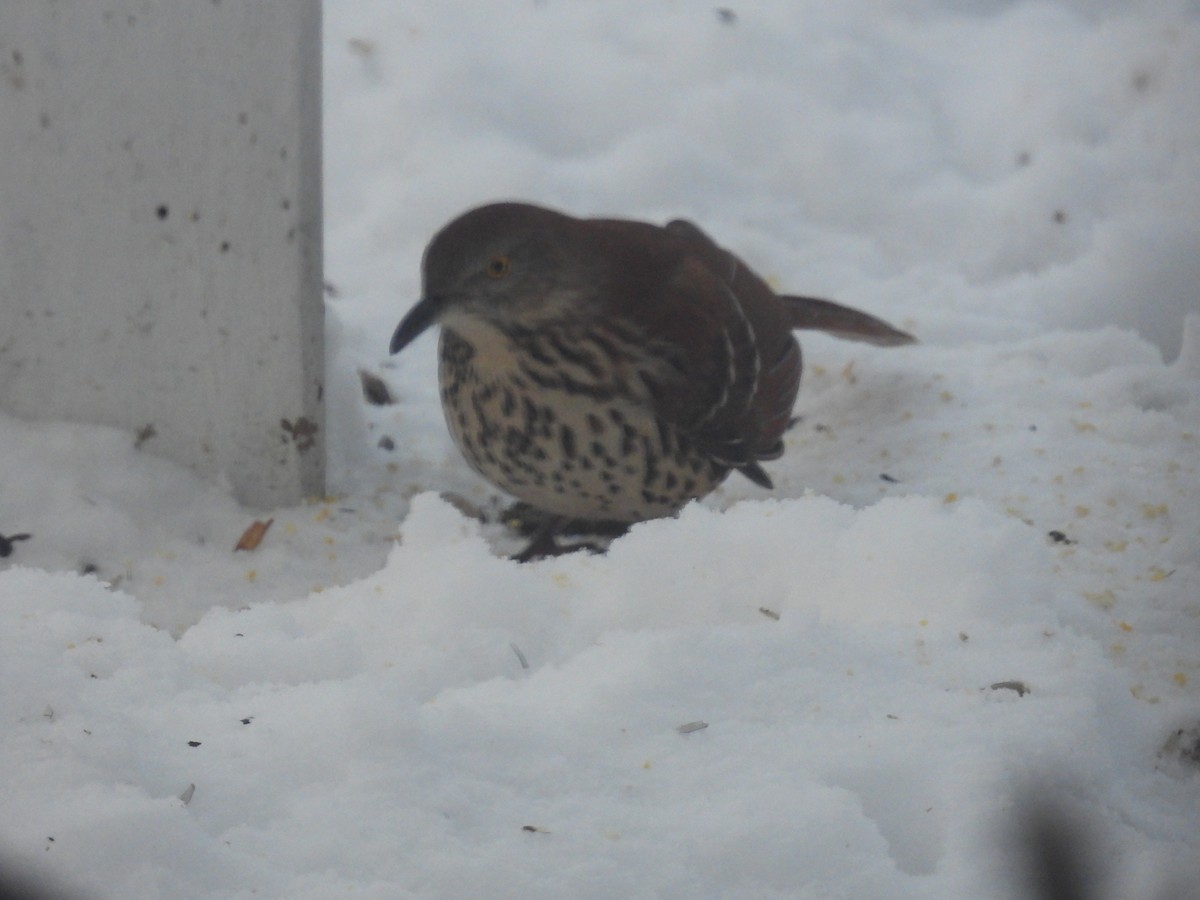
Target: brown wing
[(768, 407), (723, 367)]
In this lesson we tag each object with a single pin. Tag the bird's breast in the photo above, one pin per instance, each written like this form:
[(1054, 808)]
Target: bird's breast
[(555, 424)]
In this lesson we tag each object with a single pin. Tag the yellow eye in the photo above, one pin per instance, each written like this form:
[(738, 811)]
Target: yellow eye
[(497, 266)]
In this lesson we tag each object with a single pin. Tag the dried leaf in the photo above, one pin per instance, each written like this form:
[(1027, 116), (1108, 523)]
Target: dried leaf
[(253, 535)]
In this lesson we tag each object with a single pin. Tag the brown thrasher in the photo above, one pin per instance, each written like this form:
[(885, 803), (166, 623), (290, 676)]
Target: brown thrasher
[(603, 369)]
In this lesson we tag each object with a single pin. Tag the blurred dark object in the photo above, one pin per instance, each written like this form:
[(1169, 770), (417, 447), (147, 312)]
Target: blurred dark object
[(6, 543), (16, 883), (1055, 848)]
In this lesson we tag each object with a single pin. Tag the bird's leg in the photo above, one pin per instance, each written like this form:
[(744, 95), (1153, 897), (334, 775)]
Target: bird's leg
[(542, 541)]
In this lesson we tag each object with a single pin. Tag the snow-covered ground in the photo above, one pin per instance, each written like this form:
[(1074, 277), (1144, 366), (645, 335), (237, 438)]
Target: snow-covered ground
[(977, 582)]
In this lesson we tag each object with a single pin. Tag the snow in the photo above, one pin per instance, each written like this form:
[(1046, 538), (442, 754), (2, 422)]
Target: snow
[(977, 581)]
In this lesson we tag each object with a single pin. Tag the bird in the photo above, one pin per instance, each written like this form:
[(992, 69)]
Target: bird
[(605, 369)]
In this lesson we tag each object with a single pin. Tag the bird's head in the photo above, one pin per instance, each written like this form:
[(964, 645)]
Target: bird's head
[(500, 265)]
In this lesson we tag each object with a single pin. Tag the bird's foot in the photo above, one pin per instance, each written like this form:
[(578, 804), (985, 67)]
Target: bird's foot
[(543, 548), (543, 529)]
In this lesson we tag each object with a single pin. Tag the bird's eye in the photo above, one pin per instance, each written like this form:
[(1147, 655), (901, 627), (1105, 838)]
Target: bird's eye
[(497, 266)]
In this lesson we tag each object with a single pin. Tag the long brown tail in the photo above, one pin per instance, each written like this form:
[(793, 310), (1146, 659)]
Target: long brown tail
[(843, 322)]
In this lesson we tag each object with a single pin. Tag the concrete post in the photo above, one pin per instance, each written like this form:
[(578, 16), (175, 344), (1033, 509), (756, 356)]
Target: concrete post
[(160, 229)]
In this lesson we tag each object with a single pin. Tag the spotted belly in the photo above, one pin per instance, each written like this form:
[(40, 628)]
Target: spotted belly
[(564, 446)]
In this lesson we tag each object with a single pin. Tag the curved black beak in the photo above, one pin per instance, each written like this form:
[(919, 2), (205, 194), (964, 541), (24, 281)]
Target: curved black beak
[(419, 318)]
